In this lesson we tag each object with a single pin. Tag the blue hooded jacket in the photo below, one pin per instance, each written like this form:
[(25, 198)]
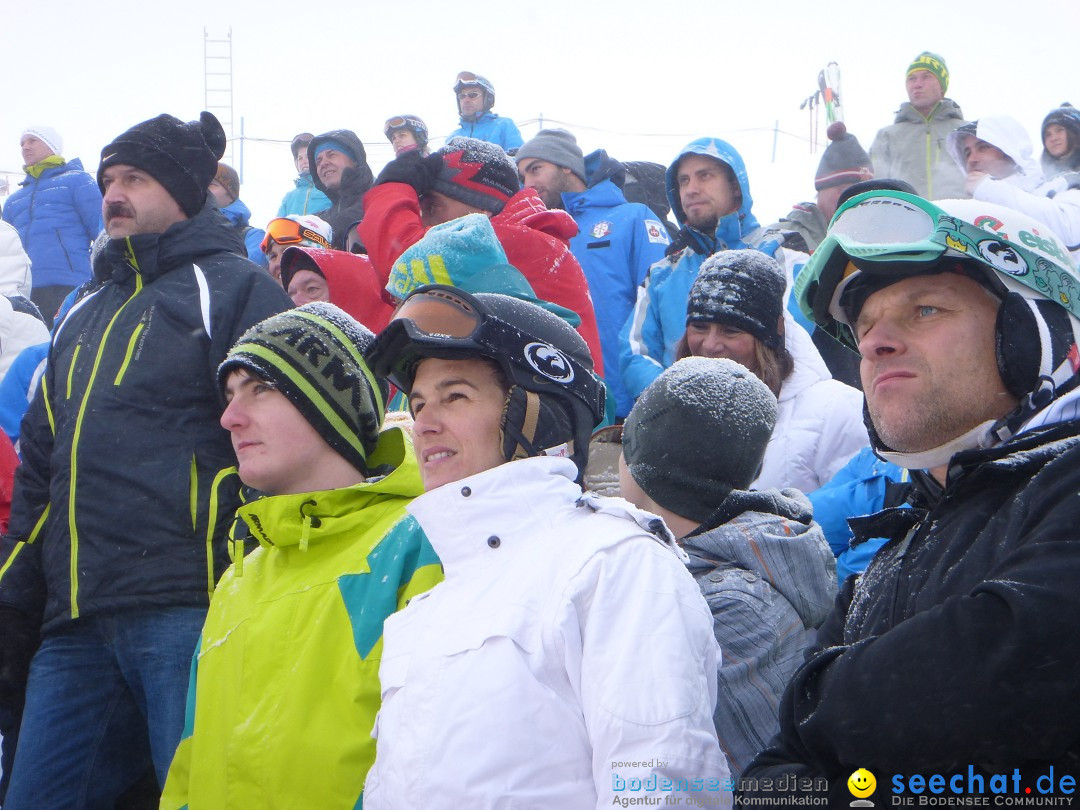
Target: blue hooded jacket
[(304, 199), (652, 332), (239, 215), (492, 128), (57, 216), (616, 244)]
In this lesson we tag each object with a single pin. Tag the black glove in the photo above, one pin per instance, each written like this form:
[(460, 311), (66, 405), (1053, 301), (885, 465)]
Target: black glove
[(412, 169), (19, 639)]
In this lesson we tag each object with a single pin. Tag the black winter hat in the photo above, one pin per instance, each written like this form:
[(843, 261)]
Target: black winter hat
[(698, 432), (476, 173), (1064, 116), (183, 157), (844, 161), (744, 288)]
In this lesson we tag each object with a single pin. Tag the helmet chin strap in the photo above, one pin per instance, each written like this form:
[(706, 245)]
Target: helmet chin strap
[(980, 436)]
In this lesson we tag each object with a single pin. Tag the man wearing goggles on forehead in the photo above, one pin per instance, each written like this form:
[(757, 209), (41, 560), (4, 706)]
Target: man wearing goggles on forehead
[(954, 653), (568, 640), (475, 98), (283, 232)]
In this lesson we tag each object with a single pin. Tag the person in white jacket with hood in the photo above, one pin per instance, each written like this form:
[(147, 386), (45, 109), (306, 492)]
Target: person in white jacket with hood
[(567, 661), (736, 310), (996, 154)]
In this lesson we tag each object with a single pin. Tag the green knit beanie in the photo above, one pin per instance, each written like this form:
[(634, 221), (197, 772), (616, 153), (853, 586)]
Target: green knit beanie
[(314, 356), (935, 64)]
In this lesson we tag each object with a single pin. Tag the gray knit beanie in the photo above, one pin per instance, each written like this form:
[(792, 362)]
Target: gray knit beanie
[(698, 432), (555, 146), (744, 288), (844, 161)]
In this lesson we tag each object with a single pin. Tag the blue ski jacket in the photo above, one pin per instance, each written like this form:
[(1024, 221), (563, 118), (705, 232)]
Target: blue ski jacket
[(304, 199), (658, 320), (616, 244), (492, 128), (57, 216)]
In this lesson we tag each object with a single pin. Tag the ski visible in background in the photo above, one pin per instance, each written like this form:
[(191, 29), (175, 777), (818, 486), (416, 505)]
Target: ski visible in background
[(829, 82)]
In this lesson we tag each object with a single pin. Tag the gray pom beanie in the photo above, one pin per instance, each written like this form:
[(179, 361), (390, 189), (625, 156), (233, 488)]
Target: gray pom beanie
[(698, 432)]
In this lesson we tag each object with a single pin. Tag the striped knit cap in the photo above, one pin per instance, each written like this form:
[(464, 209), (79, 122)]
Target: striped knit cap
[(314, 356)]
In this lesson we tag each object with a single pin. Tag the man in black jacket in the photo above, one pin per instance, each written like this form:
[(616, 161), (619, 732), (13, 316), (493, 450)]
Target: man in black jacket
[(128, 485), (948, 668), (340, 170)]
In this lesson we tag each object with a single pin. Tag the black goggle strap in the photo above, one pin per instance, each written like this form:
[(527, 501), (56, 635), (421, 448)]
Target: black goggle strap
[(520, 420)]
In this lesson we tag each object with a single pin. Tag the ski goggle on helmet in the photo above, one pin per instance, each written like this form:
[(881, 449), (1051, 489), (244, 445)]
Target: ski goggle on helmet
[(437, 320), (410, 122), (289, 231), (881, 237)]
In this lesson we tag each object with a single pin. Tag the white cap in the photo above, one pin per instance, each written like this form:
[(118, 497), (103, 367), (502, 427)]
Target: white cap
[(47, 135)]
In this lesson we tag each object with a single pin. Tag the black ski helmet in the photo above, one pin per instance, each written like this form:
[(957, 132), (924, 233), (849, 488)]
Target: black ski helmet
[(555, 399)]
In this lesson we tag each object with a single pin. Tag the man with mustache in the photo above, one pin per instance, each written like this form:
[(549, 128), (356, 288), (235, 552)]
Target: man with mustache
[(128, 486)]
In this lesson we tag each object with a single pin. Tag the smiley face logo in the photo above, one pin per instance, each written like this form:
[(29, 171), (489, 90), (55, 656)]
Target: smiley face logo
[(861, 783)]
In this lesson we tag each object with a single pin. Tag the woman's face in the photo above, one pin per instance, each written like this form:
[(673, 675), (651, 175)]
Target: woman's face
[(1056, 140), (707, 339), (457, 406)]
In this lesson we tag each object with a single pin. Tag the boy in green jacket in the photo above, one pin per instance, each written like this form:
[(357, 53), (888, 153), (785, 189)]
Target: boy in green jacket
[(285, 681)]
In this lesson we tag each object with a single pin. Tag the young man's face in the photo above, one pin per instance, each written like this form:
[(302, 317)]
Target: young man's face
[(470, 101), (923, 90), (134, 202), (705, 191), (981, 156), (277, 450), (549, 180), (457, 406), (34, 150), (329, 165), (929, 368)]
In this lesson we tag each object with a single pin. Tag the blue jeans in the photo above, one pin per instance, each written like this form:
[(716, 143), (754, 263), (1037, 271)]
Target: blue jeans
[(106, 696)]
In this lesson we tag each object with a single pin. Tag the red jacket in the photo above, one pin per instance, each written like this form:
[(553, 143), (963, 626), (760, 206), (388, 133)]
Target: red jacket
[(535, 240)]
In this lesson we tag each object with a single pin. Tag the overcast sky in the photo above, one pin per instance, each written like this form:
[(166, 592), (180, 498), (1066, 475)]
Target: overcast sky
[(639, 79)]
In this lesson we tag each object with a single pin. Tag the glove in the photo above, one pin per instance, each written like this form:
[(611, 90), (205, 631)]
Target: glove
[(412, 169), (19, 639)]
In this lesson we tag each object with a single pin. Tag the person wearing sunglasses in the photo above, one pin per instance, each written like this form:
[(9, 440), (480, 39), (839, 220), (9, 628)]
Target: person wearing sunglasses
[(536, 674), (282, 232), (952, 658), (475, 98)]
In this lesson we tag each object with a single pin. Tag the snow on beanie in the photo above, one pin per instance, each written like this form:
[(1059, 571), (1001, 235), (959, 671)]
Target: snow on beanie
[(314, 356), (935, 64), (183, 157), (844, 161), (555, 146), (476, 173), (744, 288), (697, 432), (48, 136)]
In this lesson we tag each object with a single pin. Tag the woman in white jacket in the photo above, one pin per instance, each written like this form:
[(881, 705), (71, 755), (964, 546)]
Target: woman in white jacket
[(735, 310), (567, 660)]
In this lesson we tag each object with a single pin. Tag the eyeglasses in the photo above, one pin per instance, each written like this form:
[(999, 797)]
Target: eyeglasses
[(468, 94), (287, 231)]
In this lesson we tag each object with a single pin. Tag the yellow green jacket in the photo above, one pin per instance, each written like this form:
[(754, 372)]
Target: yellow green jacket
[(285, 681)]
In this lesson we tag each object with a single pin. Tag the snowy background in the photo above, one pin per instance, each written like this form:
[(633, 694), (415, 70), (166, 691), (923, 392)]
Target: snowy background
[(638, 79)]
